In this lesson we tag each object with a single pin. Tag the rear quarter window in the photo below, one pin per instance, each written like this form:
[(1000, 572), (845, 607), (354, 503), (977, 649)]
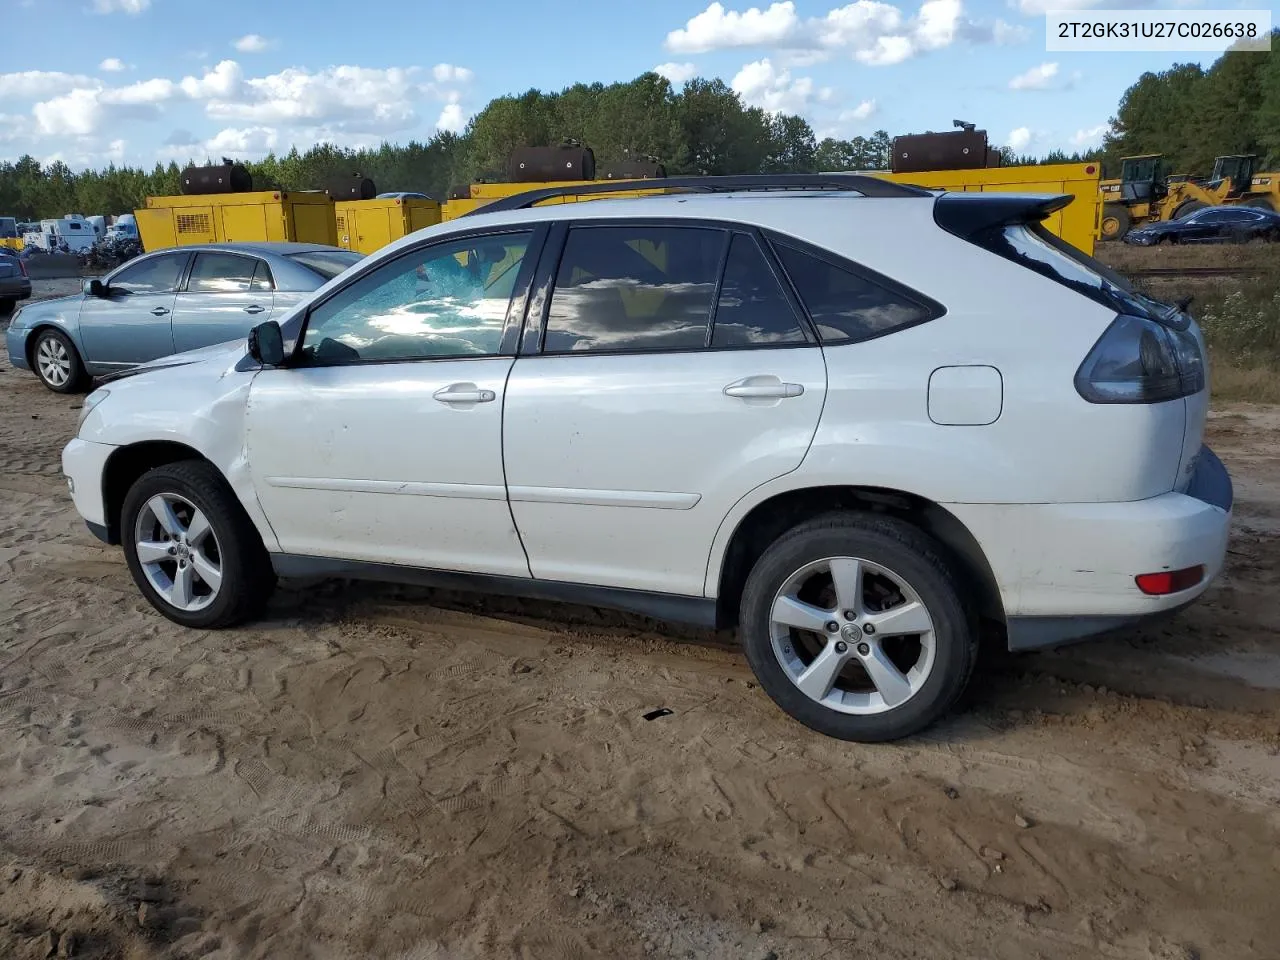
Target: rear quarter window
[(848, 303)]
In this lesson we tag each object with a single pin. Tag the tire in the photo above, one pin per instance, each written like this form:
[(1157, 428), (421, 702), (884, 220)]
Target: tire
[(56, 362), (1116, 221), (1188, 207), (245, 577), (885, 549)]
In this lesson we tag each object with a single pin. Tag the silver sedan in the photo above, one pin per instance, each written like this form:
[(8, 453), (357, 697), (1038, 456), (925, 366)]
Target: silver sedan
[(167, 302)]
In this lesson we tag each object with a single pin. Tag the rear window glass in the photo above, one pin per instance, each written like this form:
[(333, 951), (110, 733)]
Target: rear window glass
[(1034, 247), (327, 263), (844, 305)]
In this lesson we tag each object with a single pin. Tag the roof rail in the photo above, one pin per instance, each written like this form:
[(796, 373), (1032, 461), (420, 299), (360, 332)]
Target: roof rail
[(868, 186)]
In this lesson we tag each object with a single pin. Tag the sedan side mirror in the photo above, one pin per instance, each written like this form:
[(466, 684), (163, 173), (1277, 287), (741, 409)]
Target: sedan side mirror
[(266, 344), (95, 288)]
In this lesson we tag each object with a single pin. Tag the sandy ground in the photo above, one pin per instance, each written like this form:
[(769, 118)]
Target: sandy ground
[(383, 772)]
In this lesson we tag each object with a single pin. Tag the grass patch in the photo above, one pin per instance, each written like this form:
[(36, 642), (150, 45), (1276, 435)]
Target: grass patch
[(1235, 384)]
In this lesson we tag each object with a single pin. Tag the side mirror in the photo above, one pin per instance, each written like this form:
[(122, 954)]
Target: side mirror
[(266, 344), (95, 288)]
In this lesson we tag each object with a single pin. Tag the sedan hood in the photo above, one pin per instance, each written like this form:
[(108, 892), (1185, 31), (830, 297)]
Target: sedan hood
[(220, 353)]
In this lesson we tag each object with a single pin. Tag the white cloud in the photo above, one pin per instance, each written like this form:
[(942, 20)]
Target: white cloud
[(1019, 139), (863, 111), (871, 31), (1007, 34), (1038, 8), (248, 140), (78, 113), (341, 100), (223, 81), (32, 84), (148, 91), (1091, 137), (676, 73), (131, 7), (111, 65), (719, 29), (448, 73), (253, 43), (763, 85), (115, 151), (452, 118), (1037, 78)]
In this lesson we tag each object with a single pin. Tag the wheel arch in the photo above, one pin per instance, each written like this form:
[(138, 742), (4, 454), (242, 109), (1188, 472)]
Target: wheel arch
[(33, 334), (765, 521), (126, 464)]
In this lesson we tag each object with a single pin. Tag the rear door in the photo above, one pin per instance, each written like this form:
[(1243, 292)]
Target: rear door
[(666, 374), (225, 295), (132, 323)]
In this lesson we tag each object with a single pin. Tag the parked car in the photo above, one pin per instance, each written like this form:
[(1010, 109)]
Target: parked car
[(15, 285), (1223, 224), (856, 420), (167, 302)]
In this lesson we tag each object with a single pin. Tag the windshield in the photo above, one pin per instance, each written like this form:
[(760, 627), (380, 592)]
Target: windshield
[(1037, 249), (328, 263)]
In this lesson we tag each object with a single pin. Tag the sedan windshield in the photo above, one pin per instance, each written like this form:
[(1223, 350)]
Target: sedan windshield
[(327, 263)]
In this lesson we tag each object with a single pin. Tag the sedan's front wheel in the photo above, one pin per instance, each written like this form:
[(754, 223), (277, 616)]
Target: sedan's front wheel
[(191, 548), (57, 363), (854, 626)]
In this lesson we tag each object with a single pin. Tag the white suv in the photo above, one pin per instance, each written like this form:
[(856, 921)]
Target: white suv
[(855, 419)]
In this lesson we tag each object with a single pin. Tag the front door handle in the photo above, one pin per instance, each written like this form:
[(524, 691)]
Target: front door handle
[(763, 388), (464, 393), (254, 309), (160, 311)]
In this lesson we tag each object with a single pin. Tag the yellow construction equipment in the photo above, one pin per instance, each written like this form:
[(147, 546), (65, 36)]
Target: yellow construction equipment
[(368, 225), (1146, 192), (304, 217)]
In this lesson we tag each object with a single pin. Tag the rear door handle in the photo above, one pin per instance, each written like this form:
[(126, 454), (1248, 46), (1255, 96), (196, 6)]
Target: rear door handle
[(464, 393), (763, 388), (160, 311), (254, 309)]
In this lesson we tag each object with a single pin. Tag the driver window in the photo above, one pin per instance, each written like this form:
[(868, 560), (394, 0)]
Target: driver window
[(448, 300)]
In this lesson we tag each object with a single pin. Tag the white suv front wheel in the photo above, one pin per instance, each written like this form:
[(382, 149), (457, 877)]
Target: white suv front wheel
[(191, 548), (854, 626)]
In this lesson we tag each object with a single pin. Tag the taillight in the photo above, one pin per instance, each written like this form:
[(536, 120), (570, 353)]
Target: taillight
[(1169, 581), (22, 265), (1141, 361)]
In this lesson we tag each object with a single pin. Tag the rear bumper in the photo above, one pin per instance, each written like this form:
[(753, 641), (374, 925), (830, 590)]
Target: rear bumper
[(1067, 571), (15, 288)]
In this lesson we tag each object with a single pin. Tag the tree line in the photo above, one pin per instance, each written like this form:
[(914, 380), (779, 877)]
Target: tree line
[(1187, 113)]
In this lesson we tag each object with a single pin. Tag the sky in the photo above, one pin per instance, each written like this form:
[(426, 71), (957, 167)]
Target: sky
[(136, 81)]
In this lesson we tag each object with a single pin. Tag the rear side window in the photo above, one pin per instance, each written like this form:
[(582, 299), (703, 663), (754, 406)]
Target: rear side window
[(220, 273), (634, 288), (844, 305), (752, 310), (262, 282)]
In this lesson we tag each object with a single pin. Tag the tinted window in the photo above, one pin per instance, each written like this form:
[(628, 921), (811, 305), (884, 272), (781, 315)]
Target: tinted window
[(262, 282), (327, 263), (752, 308), (449, 300), (156, 275), (220, 273), (845, 306), (634, 288)]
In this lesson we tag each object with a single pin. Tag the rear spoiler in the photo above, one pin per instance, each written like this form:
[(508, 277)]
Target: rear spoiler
[(969, 214)]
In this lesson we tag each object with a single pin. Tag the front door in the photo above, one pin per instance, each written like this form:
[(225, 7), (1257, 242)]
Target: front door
[(132, 323), (225, 295), (655, 404), (383, 440)]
